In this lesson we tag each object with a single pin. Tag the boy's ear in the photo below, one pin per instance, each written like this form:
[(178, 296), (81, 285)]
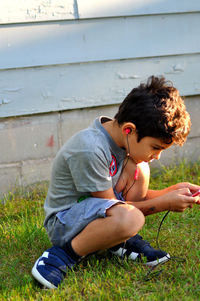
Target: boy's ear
[(128, 128)]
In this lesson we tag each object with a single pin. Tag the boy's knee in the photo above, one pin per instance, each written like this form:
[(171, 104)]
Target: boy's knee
[(134, 221), (129, 220)]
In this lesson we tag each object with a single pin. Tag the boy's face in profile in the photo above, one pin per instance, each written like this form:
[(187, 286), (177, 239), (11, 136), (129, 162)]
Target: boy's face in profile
[(147, 149)]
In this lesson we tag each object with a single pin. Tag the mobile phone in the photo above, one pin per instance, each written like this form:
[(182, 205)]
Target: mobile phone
[(196, 193)]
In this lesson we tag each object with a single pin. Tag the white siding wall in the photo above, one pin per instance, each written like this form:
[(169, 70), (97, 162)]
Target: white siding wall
[(105, 48)]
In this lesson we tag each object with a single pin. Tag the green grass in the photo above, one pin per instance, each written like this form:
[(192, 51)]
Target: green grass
[(101, 276)]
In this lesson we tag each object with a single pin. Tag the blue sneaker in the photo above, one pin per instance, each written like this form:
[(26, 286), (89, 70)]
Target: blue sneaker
[(136, 248), (52, 266)]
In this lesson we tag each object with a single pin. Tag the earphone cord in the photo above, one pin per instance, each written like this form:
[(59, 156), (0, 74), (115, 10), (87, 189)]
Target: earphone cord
[(126, 192), (127, 156), (152, 274), (159, 228)]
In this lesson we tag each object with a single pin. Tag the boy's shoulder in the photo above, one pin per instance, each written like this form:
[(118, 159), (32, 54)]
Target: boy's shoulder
[(89, 140), (86, 138)]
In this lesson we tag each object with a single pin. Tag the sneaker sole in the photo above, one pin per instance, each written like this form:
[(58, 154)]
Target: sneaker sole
[(134, 256), (39, 277), (120, 252), (156, 262)]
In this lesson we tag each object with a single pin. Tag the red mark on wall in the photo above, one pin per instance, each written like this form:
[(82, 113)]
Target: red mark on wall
[(51, 142)]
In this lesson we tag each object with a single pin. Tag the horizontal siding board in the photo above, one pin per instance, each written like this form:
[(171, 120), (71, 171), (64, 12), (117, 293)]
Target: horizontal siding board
[(65, 87), (113, 8), (97, 40), (14, 11), (20, 11)]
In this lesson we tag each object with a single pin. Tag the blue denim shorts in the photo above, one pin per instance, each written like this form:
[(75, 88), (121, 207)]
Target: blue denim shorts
[(66, 224)]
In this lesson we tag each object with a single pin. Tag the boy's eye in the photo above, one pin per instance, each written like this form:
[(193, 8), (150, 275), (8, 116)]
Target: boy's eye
[(155, 148)]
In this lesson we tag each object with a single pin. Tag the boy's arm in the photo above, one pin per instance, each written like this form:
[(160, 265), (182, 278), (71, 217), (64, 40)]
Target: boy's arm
[(176, 200), (152, 206), (106, 194)]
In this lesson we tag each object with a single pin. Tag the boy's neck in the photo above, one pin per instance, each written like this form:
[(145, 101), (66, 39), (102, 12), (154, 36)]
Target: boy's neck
[(114, 131)]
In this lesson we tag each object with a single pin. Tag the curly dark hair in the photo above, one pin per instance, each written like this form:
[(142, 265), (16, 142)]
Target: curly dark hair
[(157, 110)]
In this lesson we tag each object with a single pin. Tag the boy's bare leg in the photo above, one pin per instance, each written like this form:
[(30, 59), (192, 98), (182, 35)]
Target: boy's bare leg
[(122, 222), (106, 232)]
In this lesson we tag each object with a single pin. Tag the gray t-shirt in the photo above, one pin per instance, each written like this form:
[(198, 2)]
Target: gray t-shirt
[(89, 161)]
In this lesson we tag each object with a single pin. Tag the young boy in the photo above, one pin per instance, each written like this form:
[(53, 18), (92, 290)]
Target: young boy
[(98, 194)]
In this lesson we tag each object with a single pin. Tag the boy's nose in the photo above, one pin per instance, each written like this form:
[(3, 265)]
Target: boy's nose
[(157, 156)]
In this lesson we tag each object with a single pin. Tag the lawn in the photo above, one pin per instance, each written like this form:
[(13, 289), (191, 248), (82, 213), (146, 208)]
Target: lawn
[(102, 276)]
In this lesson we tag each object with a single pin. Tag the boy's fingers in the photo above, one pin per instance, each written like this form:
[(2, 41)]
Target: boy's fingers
[(197, 199), (190, 199), (193, 200), (185, 191)]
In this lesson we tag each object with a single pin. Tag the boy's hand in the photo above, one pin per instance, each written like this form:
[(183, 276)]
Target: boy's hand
[(192, 187), (180, 199)]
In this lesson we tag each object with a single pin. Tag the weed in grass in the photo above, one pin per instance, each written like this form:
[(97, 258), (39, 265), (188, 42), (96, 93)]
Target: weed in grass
[(101, 276)]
